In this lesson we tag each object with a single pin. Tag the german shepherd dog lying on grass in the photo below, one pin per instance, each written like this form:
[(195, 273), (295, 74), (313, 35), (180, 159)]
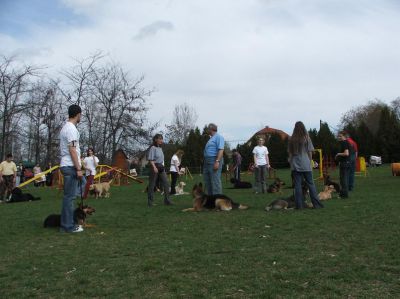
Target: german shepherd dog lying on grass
[(218, 202), (80, 214), (288, 202)]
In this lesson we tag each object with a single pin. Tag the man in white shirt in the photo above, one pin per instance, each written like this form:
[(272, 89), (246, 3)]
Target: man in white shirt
[(70, 167)]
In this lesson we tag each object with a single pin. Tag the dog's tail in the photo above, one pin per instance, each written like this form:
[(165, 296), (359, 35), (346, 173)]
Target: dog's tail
[(242, 207), (239, 206)]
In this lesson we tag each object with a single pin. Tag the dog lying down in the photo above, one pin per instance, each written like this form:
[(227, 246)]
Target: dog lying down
[(328, 182), (240, 184), (276, 186), (179, 189), (281, 204), (101, 189), (80, 214), (18, 196), (218, 202), (327, 193)]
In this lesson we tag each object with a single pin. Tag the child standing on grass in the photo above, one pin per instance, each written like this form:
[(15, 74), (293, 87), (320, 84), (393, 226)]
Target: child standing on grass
[(261, 163)]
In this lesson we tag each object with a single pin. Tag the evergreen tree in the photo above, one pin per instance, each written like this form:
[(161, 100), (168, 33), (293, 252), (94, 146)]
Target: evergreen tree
[(365, 141), (388, 136), (278, 154), (326, 141)]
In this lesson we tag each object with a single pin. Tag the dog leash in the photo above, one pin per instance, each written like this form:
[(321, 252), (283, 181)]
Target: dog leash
[(80, 187)]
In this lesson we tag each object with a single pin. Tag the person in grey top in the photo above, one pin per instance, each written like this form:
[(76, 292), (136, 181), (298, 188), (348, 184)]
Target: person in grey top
[(300, 150), (155, 156)]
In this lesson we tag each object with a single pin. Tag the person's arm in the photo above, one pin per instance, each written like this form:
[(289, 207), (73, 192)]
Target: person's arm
[(219, 158), (75, 159), (176, 166), (96, 161), (15, 173), (267, 159), (343, 154), (154, 166)]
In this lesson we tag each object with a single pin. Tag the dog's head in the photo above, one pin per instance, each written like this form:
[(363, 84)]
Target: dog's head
[(182, 184), (233, 180), (197, 190), (87, 210), (279, 182), (91, 187), (330, 188), (16, 191)]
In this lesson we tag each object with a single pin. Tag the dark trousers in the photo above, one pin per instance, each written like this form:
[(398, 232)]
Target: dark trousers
[(236, 173), (89, 181), (174, 179), (352, 171), (260, 174), (8, 181), (344, 172), (152, 183)]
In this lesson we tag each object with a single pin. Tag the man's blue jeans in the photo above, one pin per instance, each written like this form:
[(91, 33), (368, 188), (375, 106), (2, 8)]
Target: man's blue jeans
[(212, 178), (70, 192)]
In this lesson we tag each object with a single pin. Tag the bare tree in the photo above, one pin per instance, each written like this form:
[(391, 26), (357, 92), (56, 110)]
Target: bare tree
[(123, 102), (183, 121), (113, 104), (370, 114), (14, 85)]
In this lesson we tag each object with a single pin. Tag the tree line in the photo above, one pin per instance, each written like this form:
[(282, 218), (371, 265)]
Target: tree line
[(33, 109), (375, 127)]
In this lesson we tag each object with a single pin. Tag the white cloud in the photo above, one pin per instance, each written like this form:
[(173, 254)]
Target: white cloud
[(239, 63)]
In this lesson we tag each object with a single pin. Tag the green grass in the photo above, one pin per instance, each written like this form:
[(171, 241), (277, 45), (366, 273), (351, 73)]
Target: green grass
[(350, 249)]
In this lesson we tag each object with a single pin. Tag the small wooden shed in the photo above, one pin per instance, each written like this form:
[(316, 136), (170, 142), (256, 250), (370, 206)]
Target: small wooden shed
[(121, 162)]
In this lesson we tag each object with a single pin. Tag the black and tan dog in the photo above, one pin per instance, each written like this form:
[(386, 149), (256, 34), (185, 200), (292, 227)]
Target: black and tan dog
[(328, 182), (281, 204), (80, 214), (276, 186), (219, 202), (18, 196), (240, 184), (288, 202)]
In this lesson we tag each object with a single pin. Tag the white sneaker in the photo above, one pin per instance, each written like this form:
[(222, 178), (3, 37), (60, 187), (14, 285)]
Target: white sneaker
[(77, 229)]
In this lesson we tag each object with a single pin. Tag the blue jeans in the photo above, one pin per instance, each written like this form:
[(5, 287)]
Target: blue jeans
[(212, 178), (298, 191), (70, 192)]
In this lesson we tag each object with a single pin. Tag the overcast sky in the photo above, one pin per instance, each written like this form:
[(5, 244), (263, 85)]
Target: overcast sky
[(242, 64)]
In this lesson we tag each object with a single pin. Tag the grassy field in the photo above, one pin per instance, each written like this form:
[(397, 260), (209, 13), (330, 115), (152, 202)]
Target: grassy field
[(350, 249)]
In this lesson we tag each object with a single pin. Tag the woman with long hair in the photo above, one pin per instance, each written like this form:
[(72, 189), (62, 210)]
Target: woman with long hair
[(174, 169), (300, 150), (155, 156), (90, 163)]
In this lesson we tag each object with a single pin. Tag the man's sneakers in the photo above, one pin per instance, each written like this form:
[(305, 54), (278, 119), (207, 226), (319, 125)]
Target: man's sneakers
[(77, 229)]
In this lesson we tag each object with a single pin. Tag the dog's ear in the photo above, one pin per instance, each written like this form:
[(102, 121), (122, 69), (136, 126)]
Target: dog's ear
[(201, 185), (194, 187)]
